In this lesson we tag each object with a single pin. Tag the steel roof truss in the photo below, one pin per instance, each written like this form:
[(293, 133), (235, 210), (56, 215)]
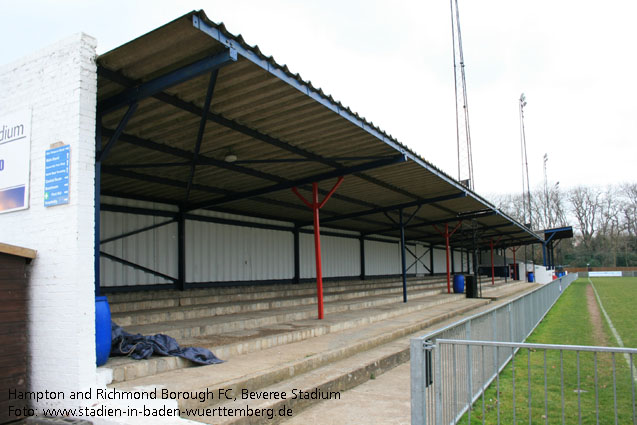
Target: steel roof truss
[(157, 85)]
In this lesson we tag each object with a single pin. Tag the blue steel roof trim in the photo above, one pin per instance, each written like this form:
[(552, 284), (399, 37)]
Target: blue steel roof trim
[(254, 54)]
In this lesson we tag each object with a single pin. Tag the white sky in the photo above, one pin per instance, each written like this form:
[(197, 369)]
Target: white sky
[(391, 62)]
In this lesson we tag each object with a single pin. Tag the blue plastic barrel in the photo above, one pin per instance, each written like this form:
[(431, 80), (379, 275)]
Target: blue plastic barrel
[(458, 283), (102, 330), (531, 277)]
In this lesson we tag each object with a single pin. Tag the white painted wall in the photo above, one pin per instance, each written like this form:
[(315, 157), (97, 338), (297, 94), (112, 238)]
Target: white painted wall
[(457, 261), (382, 258), (339, 256), (59, 85), (440, 261), (219, 253)]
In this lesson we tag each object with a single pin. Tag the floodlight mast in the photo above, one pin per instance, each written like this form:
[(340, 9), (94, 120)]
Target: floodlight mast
[(526, 193), (463, 133)]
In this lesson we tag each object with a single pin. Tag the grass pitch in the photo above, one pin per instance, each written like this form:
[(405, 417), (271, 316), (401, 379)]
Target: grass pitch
[(570, 323)]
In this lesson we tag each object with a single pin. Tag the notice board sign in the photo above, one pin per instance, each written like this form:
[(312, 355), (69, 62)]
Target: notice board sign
[(15, 160), (56, 176)]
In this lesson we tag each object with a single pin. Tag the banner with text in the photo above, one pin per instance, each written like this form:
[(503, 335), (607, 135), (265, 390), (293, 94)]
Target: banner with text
[(15, 160)]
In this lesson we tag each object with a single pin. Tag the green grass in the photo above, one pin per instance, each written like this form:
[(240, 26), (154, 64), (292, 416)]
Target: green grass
[(567, 323), (619, 297)]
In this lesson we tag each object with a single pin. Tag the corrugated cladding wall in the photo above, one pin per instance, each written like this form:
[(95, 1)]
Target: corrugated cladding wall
[(457, 261), (155, 249), (221, 253), (382, 258), (339, 256), (440, 261)]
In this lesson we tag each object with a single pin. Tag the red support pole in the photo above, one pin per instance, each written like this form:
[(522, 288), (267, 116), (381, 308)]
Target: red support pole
[(515, 266), (315, 205), (492, 269), (317, 249), (447, 244)]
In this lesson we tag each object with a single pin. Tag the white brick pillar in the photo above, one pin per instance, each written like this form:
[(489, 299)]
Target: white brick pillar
[(58, 85)]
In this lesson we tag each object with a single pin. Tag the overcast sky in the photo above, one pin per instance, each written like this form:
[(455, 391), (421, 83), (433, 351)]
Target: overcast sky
[(391, 61)]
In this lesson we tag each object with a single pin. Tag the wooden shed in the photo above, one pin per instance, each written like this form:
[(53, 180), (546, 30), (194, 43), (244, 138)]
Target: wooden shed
[(14, 339)]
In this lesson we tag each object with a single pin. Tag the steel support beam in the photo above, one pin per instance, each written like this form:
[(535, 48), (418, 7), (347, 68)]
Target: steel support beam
[(135, 232), (157, 85), (96, 203), (403, 259), (447, 235), (361, 240), (221, 120), (297, 255), (311, 179), (202, 128), (387, 209), (180, 283), (137, 266), (102, 154), (315, 205)]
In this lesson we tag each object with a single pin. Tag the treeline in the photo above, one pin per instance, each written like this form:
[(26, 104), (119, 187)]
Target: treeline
[(604, 221)]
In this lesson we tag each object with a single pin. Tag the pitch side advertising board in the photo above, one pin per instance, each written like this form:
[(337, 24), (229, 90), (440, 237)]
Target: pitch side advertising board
[(15, 160)]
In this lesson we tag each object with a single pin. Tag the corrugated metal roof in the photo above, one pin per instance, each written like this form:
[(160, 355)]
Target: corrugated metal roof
[(281, 128)]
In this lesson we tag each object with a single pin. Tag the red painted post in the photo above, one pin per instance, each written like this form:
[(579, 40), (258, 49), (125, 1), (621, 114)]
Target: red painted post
[(447, 250), (492, 269), (315, 205), (317, 249), (515, 266)]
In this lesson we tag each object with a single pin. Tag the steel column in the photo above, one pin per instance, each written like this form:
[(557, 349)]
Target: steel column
[(96, 200), (544, 254), (317, 249), (515, 266), (362, 256), (297, 257), (504, 254), (492, 267), (402, 253), (447, 235), (431, 259), (316, 206), (180, 283)]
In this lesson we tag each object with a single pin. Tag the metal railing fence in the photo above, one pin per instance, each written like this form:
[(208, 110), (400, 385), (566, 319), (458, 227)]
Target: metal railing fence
[(511, 322), (584, 386)]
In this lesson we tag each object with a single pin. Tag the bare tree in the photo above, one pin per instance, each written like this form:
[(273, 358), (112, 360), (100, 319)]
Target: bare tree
[(585, 206)]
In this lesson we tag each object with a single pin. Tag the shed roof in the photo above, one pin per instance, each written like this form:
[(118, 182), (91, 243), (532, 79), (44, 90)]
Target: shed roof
[(158, 144)]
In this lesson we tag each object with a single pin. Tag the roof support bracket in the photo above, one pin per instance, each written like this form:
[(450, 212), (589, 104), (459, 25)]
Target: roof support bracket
[(311, 179), (157, 85), (101, 155), (202, 127)]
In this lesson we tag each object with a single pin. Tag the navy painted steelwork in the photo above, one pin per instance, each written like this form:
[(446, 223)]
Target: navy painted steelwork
[(202, 127), (219, 119), (180, 283), (163, 82), (101, 155), (135, 232), (137, 210), (137, 266), (385, 210), (297, 255), (290, 184), (417, 259), (96, 205), (403, 260), (361, 244), (277, 71)]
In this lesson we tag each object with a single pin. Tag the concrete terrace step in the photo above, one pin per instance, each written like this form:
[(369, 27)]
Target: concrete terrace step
[(120, 303), (274, 365), (231, 343), (196, 311), (211, 325)]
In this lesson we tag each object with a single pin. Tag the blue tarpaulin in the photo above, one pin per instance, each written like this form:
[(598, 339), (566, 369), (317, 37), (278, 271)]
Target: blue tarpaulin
[(141, 347)]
